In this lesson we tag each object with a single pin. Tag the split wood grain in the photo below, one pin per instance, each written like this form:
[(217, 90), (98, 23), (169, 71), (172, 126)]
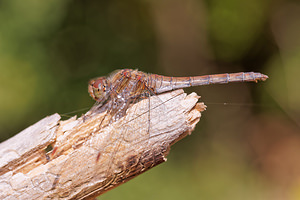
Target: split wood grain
[(89, 160)]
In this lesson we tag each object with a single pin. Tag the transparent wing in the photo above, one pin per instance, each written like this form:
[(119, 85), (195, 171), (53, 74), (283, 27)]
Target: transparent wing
[(139, 119)]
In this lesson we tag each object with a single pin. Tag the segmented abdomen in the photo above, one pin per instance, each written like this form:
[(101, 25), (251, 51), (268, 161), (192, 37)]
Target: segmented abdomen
[(161, 84)]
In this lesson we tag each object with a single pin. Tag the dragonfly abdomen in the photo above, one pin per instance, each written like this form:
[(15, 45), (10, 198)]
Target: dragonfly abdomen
[(164, 83)]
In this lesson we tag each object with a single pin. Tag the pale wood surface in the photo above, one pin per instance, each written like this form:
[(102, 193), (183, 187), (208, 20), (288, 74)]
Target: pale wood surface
[(90, 160)]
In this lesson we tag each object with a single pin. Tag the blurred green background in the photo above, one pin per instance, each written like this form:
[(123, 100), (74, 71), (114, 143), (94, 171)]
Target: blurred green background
[(246, 149)]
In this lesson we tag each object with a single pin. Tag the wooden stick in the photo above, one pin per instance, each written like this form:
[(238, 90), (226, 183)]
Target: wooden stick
[(89, 160)]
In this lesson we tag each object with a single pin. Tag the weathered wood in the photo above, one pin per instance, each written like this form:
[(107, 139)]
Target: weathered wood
[(89, 160)]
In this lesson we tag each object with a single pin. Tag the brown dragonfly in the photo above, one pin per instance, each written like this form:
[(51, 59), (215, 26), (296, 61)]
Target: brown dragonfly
[(126, 86)]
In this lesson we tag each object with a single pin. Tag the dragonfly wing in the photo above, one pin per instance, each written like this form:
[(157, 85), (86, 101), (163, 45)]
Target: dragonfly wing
[(138, 119), (117, 109)]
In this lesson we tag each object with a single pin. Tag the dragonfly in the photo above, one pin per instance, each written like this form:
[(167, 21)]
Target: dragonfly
[(126, 86)]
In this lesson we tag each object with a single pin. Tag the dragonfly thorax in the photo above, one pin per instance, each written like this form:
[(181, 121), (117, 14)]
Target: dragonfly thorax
[(99, 89)]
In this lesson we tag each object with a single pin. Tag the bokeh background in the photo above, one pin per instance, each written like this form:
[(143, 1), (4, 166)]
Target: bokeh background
[(247, 148)]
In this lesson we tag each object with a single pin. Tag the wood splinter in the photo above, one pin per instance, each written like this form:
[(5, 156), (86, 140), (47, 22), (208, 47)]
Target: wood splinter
[(88, 160)]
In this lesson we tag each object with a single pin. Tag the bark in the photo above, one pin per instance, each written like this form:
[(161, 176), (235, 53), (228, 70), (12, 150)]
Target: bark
[(88, 160)]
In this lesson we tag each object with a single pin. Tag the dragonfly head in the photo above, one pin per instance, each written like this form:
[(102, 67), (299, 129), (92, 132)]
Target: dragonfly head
[(98, 89)]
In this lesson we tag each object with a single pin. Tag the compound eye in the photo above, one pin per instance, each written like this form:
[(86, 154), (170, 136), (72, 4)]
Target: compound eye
[(98, 84)]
